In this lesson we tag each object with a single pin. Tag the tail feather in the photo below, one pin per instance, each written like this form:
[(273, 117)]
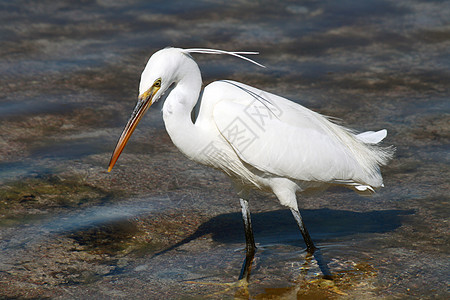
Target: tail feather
[(372, 137)]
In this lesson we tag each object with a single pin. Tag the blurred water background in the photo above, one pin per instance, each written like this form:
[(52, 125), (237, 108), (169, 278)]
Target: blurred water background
[(69, 75)]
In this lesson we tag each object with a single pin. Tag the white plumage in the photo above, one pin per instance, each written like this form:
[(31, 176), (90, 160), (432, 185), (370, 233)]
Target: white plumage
[(259, 139)]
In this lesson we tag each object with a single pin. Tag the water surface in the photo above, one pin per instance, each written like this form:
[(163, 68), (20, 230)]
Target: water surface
[(162, 226)]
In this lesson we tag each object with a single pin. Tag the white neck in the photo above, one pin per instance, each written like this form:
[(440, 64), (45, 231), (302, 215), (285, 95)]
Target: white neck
[(177, 110)]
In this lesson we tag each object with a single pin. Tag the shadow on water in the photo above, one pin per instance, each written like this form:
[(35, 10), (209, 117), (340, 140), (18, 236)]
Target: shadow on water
[(279, 226)]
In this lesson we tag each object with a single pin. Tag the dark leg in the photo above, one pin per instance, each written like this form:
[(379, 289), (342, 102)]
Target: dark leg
[(250, 246), (308, 241), (312, 250)]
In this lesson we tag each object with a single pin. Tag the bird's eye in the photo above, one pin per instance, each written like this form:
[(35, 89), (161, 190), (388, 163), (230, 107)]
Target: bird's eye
[(157, 83)]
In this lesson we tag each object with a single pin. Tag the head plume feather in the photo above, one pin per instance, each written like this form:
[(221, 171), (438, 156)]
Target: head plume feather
[(232, 53)]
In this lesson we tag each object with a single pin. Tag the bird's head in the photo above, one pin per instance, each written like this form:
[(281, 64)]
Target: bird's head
[(164, 68)]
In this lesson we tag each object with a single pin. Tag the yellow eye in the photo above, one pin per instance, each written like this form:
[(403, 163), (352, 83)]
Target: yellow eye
[(157, 83)]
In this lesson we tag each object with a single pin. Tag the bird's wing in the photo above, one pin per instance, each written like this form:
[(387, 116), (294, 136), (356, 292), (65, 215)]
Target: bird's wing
[(283, 138)]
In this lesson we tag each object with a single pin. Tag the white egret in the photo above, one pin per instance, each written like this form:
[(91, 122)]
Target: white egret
[(260, 140)]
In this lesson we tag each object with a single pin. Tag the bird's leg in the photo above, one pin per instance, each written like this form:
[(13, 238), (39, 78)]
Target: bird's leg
[(312, 250), (250, 246), (308, 241)]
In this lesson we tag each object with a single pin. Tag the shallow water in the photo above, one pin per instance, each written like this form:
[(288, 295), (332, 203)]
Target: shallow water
[(162, 226)]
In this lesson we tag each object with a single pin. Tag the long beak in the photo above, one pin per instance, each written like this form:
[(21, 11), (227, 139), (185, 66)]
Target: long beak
[(144, 102)]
